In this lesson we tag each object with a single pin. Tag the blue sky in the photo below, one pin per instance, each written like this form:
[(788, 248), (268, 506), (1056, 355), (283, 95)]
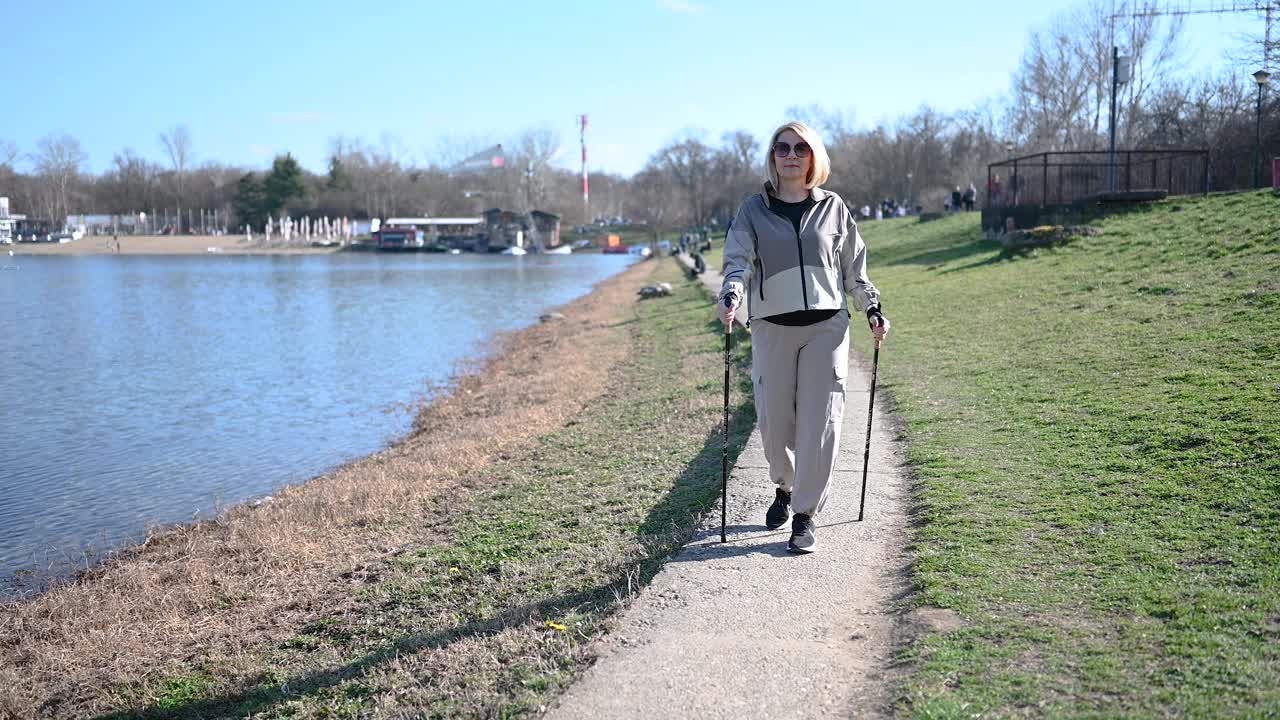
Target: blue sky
[(252, 79)]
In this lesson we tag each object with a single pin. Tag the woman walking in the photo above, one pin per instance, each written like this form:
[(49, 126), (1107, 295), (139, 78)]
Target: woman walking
[(793, 251)]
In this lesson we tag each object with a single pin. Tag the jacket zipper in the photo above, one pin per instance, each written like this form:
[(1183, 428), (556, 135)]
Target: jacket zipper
[(804, 286), (759, 274)]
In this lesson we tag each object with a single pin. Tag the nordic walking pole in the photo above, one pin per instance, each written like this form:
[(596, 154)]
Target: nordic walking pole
[(866, 456), (724, 448)]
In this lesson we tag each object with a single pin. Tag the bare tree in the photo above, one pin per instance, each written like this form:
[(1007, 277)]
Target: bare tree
[(8, 175), (1062, 87), (57, 160), (738, 170), (129, 186), (8, 153), (177, 143), (534, 152), (688, 166), (1154, 46), (653, 199)]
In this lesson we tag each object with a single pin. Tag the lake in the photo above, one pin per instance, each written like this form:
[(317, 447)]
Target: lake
[(140, 390)]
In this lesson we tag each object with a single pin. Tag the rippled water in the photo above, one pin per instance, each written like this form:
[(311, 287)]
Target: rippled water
[(141, 390)]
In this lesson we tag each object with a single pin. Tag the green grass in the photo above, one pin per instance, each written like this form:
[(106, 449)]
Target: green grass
[(1096, 433), (494, 614)]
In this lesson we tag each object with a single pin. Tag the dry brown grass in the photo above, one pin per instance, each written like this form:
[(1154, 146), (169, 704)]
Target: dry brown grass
[(254, 576)]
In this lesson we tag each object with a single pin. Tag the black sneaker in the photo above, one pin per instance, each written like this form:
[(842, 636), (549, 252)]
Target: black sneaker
[(803, 537), (779, 511)]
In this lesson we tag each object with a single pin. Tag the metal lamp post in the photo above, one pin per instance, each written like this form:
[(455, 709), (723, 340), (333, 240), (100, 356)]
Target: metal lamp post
[(1012, 177), (910, 205), (1261, 78), (1121, 68)]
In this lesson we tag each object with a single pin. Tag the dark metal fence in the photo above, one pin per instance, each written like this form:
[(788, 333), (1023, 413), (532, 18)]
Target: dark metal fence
[(1061, 178)]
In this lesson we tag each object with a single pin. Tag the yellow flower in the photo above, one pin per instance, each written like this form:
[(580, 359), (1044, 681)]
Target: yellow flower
[(454, 570), (556, 626)]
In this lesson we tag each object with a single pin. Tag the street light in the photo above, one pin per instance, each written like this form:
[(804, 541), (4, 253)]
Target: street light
[(1012, 178), (909, 204), (1261, 78)]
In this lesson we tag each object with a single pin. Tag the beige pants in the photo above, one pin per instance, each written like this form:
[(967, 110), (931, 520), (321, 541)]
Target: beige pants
[(799, 375)]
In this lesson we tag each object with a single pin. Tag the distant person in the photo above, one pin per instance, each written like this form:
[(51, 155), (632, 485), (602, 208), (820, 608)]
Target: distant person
[(794, 248), (993, 191), (970, 194), (957, 199)]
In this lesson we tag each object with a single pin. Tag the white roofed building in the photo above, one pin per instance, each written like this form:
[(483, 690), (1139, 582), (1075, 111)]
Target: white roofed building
[(8, 221)]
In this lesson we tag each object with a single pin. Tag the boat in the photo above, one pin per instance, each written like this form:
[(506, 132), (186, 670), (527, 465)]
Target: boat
[(513, 250), (559, 250)]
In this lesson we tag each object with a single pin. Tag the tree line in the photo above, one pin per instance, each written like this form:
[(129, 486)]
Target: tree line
[(1059, 100)]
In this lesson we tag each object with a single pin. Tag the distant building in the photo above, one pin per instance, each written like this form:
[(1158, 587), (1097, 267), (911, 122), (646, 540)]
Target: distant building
[(536, 230), (547, 228), (104, 224), (8, 222), (458, 233)]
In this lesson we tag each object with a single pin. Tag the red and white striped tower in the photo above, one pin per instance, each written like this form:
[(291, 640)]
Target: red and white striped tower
[(586, 202)]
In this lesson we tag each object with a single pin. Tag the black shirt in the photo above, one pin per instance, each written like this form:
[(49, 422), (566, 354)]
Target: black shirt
[(794, 211)]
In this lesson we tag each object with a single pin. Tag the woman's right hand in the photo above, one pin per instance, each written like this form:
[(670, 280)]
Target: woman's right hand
[(879, 327)]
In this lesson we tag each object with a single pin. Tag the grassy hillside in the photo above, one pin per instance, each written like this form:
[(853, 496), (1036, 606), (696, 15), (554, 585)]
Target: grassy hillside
[(1096, 432)]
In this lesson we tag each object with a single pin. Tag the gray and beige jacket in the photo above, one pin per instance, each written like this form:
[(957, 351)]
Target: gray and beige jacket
[(781, 271)]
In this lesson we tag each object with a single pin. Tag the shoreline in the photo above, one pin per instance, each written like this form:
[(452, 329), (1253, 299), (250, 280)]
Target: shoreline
[(164, 245), (30, 583), (263, 568)]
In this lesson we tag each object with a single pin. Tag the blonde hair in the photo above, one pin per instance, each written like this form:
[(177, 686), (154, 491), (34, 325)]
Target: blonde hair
[(819, 168)]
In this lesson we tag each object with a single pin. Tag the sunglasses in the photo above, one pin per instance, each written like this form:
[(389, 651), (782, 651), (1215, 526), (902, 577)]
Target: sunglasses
[(782, 149)]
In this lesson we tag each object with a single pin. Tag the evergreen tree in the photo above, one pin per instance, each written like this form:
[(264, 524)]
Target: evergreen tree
[(283, 184), (250, 201)]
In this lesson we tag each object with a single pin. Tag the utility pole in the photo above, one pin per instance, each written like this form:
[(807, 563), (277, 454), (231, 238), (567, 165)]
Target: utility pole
[(1111, 156), (1121, 67), (586, 201)]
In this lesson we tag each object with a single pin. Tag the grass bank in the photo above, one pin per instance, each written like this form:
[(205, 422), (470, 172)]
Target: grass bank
[(476, 588), (1096, 432)]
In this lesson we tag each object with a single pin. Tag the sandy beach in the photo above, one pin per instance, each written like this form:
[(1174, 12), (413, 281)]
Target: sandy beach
[(163, 245)]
